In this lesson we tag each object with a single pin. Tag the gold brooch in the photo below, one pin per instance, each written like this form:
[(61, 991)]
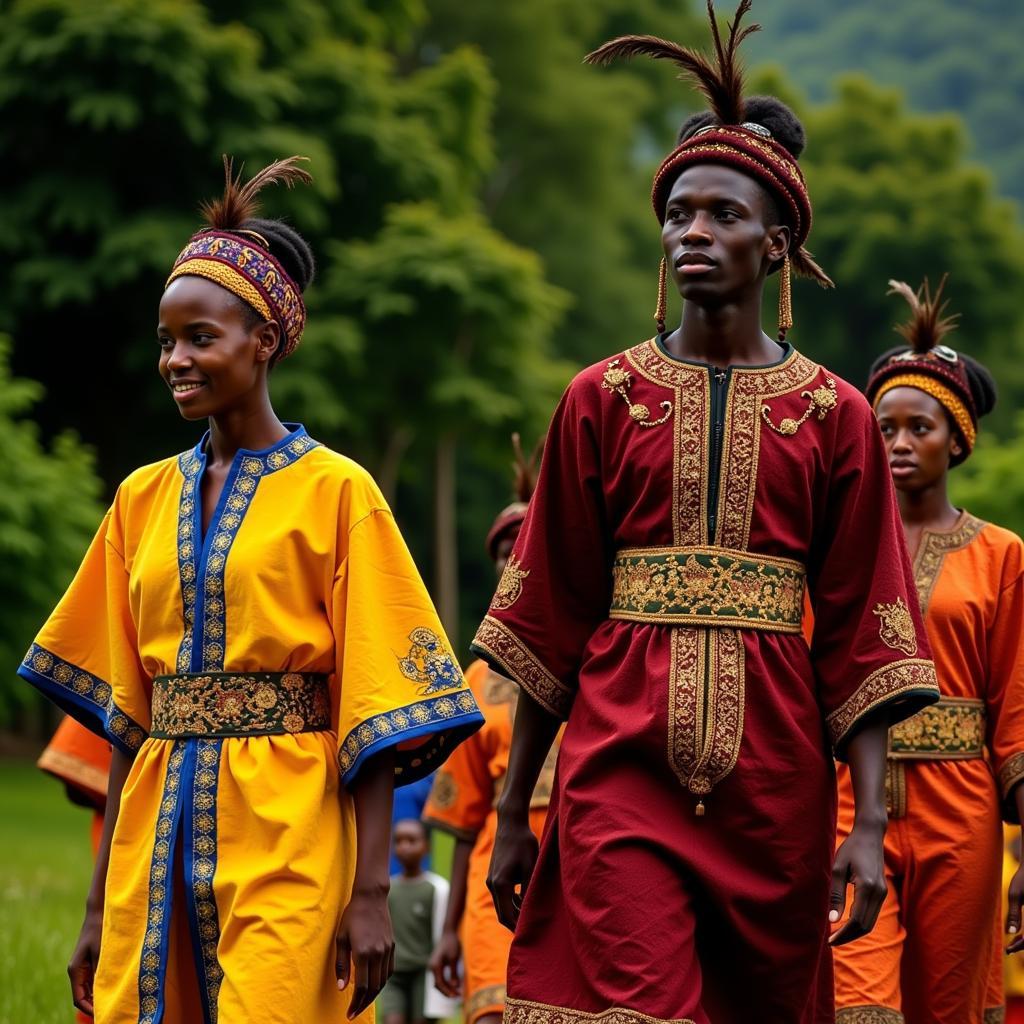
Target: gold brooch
[(510, 586), (618, 381), (821, 400), (896, 626)]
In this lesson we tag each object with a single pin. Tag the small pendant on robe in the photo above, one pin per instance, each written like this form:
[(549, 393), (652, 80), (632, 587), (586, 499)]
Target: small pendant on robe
[(700, 808)]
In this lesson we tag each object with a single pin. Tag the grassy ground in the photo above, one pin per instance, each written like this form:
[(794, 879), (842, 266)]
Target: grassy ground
[(45, 865)]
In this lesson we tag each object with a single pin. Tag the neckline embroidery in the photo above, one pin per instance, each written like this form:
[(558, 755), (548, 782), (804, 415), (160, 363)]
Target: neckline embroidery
[(932, 551), (202, 560)]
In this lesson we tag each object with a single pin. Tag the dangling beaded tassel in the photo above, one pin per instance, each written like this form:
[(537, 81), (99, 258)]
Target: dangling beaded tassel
[(660, 311), (785, 299)]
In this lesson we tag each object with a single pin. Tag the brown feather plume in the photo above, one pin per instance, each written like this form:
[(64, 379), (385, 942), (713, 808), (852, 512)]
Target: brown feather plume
[(525, 468), (721, 81), (806, 266), (927, 325), (240, 202)]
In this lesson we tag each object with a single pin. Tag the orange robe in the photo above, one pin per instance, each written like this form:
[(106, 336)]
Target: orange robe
[(934, 955), (462, 802)]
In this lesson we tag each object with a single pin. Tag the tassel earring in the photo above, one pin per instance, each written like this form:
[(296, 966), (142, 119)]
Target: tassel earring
[(785, 299), (660, 311)]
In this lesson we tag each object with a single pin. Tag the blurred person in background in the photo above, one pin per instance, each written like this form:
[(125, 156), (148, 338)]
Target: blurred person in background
[(691, 487), (409, 803), (81, 760), (418, 901), (935, 955), (250, 632), (463, 802)]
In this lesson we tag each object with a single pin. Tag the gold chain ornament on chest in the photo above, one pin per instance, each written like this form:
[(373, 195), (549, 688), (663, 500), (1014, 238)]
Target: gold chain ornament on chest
[(821, 401), (618, 381)]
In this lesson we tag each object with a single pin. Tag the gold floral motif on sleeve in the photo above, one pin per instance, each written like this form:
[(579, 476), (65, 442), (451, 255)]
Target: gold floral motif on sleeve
[(618, 381), (445, 790), (510, 586), (896, 626), (429, 662)]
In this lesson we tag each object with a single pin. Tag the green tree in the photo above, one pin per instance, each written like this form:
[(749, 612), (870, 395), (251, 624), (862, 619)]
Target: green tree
[(49, 509), (990, 483)]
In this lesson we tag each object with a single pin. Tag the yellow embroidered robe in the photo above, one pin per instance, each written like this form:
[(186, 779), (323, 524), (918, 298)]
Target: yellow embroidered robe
[(233, 855)]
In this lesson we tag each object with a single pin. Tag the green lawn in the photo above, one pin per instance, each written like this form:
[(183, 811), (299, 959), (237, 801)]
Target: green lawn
[(45, 865)]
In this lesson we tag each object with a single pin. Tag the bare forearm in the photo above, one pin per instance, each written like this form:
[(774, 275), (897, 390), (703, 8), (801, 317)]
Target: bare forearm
[(866, 753), (120, 766), (457, 893), (533, 733), (372, 796)]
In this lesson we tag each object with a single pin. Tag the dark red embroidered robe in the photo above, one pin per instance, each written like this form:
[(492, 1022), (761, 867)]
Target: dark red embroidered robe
[(653, 600)]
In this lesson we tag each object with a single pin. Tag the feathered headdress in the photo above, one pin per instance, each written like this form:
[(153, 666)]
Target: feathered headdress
[(734, 141), (512, 516), (239, 258), (928, 364)]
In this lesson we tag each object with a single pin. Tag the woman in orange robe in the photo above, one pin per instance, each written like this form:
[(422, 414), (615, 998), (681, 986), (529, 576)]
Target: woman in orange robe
[(462, 802), (953, 768)]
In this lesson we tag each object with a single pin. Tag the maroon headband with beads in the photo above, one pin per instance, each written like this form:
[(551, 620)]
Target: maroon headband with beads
[(749, 149), (246, 269)]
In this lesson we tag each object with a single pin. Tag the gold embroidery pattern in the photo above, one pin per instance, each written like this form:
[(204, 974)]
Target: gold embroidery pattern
[(953, 729), (490, 999), (868, 1015), (226, 704), (911, 675), (822, 400), (618, 381), (510, 586), (994, 1015), (430, 662), (153, 964), (521, 1011), (204, 866), (715, 659), (190, 466), (707, 586), (69, 768), (69, 683), (1011, 773), (932, 553), (500, 690), (896, 626), (451, 711), (741, 442), (896, 789), (495, 640)]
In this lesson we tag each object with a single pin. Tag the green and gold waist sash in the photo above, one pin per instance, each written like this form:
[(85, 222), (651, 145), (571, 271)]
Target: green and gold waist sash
[(239, 704), (708, 586), (949, 730)]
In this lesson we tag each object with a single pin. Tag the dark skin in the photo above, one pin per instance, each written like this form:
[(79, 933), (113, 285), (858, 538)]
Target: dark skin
[(211, 347), (410, 841), (444, 961), (920, 440), (721, 236)]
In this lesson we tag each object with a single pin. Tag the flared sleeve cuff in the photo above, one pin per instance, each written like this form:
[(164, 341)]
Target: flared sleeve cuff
[(84, 696), (901, 687), (508, 655), (423, 734)]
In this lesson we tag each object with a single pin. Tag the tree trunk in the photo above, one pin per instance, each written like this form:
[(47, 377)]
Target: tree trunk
[(446, 552), (391, 461)]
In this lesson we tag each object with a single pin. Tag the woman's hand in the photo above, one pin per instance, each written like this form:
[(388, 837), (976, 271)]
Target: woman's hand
[(365, 954), (512, 864), (82, 968), (444, 964), (860, 860)]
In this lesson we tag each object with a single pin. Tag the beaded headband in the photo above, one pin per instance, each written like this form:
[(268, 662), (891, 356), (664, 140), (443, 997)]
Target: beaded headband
[(945, 396), (247, 270)]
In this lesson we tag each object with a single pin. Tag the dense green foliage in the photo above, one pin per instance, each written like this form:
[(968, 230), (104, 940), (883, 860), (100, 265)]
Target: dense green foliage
[(945, 54)]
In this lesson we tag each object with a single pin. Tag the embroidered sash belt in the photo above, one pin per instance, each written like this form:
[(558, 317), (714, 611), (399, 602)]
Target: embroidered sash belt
[(708, 586), (951, 729), (239, 704)]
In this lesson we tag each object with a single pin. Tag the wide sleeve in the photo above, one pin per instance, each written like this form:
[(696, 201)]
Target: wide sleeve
[(400, 685), (556, 586), (869, 649), (1004, 694), (80, 759), (86, 656)]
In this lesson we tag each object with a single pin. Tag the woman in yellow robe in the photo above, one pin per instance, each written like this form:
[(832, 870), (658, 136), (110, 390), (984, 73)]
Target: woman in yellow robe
[(250, 631)]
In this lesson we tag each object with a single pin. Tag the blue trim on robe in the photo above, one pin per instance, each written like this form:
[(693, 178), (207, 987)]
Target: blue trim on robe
[(450, 718), (85, 697), (153, 958), (199, 829)]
